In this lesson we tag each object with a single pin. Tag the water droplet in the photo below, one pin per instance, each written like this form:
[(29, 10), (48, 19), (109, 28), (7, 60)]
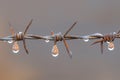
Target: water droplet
[(86, 40), (11, 41), (47, 41), (15, 47), (114, 33), (59, 33), (20, 32), (111, 46), (55, 51)]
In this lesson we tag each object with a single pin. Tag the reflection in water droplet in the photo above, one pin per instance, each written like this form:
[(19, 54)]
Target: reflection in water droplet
[(55, 51), (97, 34), (86, 40), (47, 41), (15, 47), (55, 55), (15, 51), (11, 41), (114, 33), (108, 42), (111, 46), (20, 32)]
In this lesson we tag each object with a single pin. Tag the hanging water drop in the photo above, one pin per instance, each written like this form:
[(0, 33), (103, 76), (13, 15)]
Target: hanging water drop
[(86, 40), (114, 33), (11, 41), (15, 47), (55, 51), (47, 41), (111, 46)]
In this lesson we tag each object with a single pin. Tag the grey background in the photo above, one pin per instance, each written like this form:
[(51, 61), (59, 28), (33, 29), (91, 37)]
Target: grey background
[(58, 15)]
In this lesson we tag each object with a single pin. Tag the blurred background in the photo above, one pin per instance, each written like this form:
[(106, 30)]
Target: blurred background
[(93, 16)]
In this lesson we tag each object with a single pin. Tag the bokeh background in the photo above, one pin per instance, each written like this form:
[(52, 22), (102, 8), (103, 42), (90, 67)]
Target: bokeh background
[(58, 15)]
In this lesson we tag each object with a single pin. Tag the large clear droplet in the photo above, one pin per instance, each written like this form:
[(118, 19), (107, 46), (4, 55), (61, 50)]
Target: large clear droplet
[(86, 40), (11, 41), (55, 51), (15, 47), (111, 46), (47, 41)]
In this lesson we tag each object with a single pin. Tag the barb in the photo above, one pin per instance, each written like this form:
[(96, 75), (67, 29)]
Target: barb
[(67, 48), (70, 28), (24, 43), (28, 26)]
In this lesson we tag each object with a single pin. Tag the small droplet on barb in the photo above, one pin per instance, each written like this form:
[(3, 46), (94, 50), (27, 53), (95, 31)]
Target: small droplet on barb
[(11, 41), (47, 41), (86, 40)]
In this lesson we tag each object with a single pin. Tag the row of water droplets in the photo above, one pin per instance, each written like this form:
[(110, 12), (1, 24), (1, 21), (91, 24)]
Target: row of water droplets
[(109, 44), (55, 50)]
